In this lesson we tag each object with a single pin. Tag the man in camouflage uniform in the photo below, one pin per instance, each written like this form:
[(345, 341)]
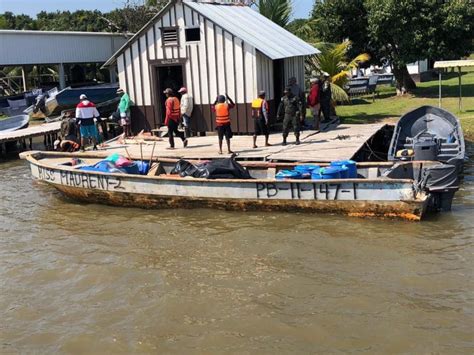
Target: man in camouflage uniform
[(289, 109)]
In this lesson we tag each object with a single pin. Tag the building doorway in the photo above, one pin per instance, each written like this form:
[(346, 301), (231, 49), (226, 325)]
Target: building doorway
[(278, 78), (172, 77)]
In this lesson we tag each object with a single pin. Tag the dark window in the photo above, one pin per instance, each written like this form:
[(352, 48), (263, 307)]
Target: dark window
[(170, 36), (193, 34)]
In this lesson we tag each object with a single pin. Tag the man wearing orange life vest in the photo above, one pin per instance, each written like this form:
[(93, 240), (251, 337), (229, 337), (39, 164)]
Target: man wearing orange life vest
[(260, 112), (173, 115), (222, 110)]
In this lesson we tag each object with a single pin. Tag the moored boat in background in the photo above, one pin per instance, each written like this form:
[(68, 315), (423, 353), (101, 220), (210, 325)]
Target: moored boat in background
[(428, 133), (14, 123)]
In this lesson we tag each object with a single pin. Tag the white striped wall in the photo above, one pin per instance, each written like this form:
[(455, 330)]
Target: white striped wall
[(294, 67), (219, 63), (265, 75)]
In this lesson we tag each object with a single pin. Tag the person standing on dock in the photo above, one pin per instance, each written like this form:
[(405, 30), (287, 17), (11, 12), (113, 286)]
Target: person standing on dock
[(260, 112), (186, 110), (325, 97), (298, 93), (173, 115), (313, 101), (289, 109), (124, 110), (86, 116), (222, 107)]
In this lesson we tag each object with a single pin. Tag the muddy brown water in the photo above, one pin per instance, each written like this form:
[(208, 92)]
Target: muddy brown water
[(77, 278)]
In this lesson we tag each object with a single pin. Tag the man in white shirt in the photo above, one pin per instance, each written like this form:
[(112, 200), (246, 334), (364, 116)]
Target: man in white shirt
[(86, 117), (186, 106)]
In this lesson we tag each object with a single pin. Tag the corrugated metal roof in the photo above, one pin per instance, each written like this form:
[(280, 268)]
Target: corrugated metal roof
[(65, 33), (454, 63), (257, 30), (50, 47)]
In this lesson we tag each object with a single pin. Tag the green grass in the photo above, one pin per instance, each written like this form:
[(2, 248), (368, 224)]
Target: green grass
[(388, 106)]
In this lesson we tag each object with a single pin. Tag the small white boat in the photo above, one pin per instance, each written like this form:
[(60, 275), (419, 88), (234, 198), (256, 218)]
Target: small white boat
[(404, 190), (14, 123)]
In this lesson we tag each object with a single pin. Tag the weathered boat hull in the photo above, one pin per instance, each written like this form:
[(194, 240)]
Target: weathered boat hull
[(410, 210), (356, 197)]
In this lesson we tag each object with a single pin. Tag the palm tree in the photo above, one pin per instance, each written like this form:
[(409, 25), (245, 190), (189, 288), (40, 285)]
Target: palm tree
[(333, 60), (279, 11)]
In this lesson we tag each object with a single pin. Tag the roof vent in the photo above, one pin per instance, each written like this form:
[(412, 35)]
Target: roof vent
[(170, 36)]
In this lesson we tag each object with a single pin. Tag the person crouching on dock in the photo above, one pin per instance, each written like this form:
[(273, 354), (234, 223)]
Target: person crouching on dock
[(86, 117), (260, 113), (173, 116), (222, 110)]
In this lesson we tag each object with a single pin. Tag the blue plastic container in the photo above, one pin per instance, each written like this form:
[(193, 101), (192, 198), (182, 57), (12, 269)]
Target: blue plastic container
[(351, 166), (288, 174), (306, 168), (331, 172)]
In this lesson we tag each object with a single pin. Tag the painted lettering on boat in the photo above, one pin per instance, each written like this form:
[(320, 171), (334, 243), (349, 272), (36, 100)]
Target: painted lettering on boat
[(298, 191), (83, 180), (46, 174)]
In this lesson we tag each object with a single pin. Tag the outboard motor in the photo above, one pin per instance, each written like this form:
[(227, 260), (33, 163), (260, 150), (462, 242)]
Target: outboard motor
[(425, 146), (442, 181)]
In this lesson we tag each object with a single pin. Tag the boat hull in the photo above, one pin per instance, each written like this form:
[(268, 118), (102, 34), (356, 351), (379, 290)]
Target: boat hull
[(355, 197)]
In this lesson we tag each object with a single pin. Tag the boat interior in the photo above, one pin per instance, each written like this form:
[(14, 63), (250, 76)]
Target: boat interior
[(163, 168)]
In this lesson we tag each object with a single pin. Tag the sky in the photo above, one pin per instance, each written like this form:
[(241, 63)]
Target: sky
[(32, 7)]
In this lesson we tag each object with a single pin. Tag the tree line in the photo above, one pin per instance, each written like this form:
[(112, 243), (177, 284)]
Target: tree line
[(128, 19), (393, 32)]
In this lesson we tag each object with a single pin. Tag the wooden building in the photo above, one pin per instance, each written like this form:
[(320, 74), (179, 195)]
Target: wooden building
[(210, 48)]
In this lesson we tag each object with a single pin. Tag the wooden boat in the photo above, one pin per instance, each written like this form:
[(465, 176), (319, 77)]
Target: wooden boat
[(385, 189), (13, 123), (428, 133)]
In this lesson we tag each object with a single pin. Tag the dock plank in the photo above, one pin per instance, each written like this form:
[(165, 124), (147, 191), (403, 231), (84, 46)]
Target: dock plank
[(30, 132), (337, 143)]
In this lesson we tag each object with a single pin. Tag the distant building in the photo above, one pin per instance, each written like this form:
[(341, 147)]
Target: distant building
[(69, 50), (211, 48)]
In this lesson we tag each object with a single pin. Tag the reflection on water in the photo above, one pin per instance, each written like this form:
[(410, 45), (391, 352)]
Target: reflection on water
[(96, 279)]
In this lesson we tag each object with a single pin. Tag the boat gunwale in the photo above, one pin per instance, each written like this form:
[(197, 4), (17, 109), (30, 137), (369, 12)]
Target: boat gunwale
[(32, 159)]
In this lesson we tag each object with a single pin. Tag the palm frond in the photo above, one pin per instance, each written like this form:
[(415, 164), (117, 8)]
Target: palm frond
[(338, 94), (279, 11)]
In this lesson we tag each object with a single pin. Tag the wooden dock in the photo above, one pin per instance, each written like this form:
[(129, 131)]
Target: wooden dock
[(46, 130), (337, 142)]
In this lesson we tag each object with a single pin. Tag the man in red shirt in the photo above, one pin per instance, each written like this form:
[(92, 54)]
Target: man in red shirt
[(173, 115), (313, 101)]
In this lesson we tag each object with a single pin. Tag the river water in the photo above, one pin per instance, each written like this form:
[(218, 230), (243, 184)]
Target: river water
[(77, 278)]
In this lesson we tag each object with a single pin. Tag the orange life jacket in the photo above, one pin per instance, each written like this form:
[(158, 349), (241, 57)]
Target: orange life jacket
[(222, 114), (175, 108), (257, 107)]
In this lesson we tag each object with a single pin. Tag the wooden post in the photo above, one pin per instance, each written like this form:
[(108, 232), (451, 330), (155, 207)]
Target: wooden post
[(460, 90), (439, 100), (23, 76)]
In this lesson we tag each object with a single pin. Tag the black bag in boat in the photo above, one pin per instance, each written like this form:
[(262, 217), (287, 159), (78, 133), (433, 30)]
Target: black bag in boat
[(216, 169)]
